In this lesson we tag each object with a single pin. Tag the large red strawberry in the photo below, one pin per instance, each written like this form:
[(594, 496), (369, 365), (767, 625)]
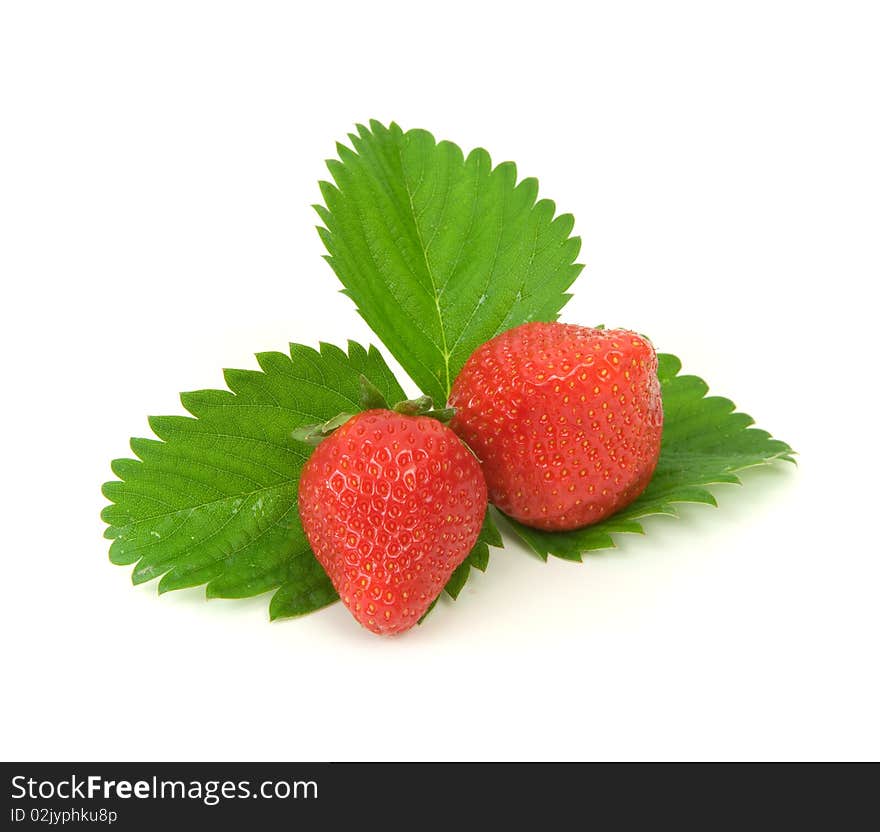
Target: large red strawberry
[(391, 505), (565, 419)]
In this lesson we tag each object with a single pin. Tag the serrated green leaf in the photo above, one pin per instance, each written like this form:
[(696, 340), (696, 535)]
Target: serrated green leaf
[(705, 441), (441, 252), (307, 589), (213, 501)]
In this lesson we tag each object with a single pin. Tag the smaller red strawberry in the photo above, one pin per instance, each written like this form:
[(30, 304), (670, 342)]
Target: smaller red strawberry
[(391, 505), (565, 419)]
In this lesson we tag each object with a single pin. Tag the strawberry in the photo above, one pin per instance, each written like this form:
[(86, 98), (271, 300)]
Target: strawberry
[(391, 505), (565, 419)]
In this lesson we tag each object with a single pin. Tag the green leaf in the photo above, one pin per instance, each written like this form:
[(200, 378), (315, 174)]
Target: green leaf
[(705, 441), (214, 500), (441, 252)]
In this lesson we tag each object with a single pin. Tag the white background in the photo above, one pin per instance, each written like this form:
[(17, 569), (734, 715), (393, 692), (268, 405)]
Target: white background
[(157, 169)]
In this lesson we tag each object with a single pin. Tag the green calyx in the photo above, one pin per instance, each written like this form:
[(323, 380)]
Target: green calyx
[(371, 398), (315, 434)]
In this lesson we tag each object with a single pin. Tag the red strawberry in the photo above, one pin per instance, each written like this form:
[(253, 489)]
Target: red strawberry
[(566, 420), (391, 505)]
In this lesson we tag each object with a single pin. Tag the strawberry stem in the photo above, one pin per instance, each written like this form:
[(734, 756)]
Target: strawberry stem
[(371, 398)]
